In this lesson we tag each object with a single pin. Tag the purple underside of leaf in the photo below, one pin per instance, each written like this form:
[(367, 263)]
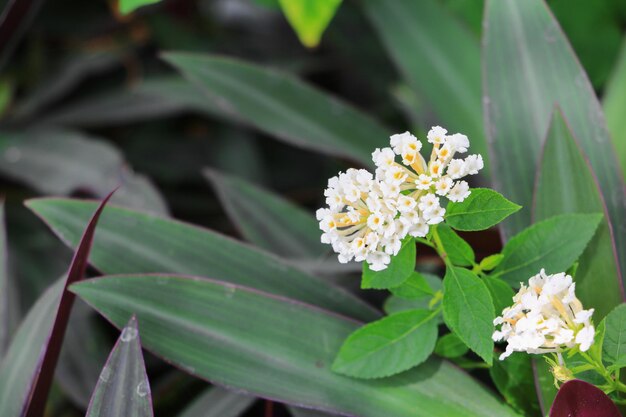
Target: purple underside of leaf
[(578, 398), (35, 402)]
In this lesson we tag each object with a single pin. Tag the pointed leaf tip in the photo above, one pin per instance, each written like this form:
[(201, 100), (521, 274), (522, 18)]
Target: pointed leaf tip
[(43, 374), (124, 372)]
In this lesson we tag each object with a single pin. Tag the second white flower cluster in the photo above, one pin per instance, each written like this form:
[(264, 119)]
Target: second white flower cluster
[(546, 317), (368, 216)]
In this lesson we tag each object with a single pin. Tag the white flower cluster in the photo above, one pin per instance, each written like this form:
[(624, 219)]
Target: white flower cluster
[(367, 217), (546, 317)]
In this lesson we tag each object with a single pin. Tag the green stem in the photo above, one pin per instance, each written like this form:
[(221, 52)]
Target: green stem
[(439, 247)]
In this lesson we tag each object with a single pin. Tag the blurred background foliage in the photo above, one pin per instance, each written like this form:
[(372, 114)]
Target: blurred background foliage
[(88, 101)]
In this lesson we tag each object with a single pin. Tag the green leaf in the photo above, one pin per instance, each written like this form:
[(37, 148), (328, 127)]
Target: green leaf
[(552, 244), (468, 310), (123, 388), (275, 348), (483, 209), (614, 345), (514, 379), (566, 184), (23, 357), (596, 350), (501, 293), (268, 220), (388, 346), (529, 66), (132, 242), (457, 250), (283, 106), (490, 262), (395, 304), (58, 161), (416, 286), (153, 98), (614, 103), (544, 384), (439, 59), (129, 6), (309, 18), (399, 269), (218, 402), (450, 346)]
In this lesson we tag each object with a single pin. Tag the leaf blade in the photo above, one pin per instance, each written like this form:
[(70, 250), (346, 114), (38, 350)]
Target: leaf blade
[(268, 220), (271, 346), (134, 242), (388, 346), (283, 106), (468, 310), (553, 244), (566, 184), (123, 387), (483, 209)]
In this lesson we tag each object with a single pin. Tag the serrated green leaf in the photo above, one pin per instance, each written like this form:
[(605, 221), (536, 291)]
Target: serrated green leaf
[(501, 293), (566, 184), (129, 6), (457, 250), (552, 244), (399, 269), (614, 103), (275, 347), (123, 388), (483, 209), (450, 346), (490, 262), (439, 59), (514, 379), (529, 67), (268, 220), (468, 310), (388, 346), (309, 18), (415, 287), (132, 242), (283, 106), (614, 344)]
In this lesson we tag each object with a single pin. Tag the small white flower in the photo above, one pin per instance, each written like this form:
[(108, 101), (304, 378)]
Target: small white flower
[(459, 192), (458, 142), (435, 168), (437, 135), (473, 164), (456, 169), (443, 186), (423, 182), (406, 204), (428, 202), (383, 157), (585, 338)]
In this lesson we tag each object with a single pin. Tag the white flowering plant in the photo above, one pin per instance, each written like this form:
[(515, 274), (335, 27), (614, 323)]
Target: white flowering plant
[(379, 218)]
